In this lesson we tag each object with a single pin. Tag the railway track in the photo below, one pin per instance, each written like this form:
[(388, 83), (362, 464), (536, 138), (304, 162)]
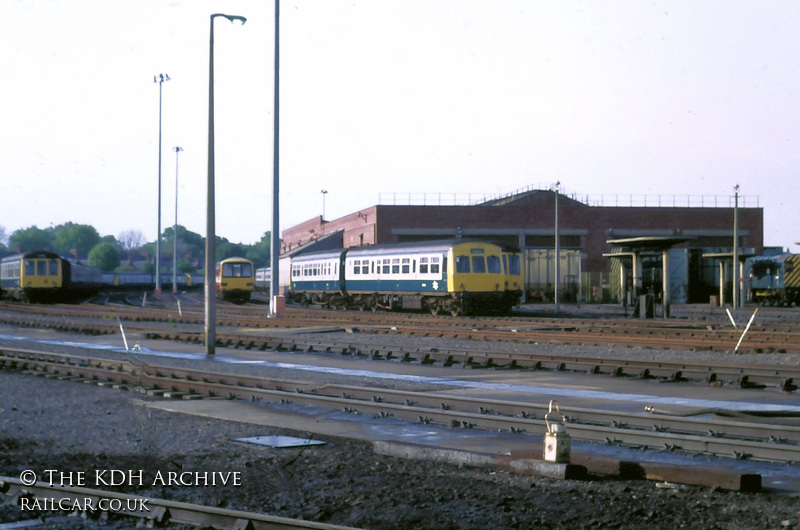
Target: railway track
[(742, 436), (742, 374), (607, 332)]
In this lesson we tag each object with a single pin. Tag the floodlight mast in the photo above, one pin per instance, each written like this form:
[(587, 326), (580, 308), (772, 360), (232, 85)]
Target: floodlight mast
[(210, 280)]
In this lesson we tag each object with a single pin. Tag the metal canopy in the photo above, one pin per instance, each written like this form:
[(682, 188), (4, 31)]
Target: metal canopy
[(655, 243)]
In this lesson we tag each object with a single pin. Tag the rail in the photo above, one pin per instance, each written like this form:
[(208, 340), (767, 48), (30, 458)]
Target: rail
[(741, 439)]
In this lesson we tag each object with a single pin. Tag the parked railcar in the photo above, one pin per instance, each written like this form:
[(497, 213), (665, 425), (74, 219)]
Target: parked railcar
[(32, 276), (235, 280), (263, 279), (317, 278), (775, 280), (455, 276)]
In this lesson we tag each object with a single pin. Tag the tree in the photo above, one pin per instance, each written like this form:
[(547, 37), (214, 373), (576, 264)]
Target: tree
[(30, 239), (260, 253), (226, 249), (130, 240), (104, 256), (71, 236)]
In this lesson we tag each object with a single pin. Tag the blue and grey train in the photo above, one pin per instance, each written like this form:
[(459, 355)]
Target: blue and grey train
[(43, 276), (452, 276), (775, 280)]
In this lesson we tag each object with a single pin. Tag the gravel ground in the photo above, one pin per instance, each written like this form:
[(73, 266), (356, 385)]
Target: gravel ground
[(69, 427)]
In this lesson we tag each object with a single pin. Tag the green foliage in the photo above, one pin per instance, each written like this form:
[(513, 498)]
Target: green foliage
[(30, 239), (71, 236), (84, 238), (104, 256), (184, 266), (260, 253)]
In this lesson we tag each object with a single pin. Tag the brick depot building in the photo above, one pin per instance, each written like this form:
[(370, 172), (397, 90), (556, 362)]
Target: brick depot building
[(527, 220)]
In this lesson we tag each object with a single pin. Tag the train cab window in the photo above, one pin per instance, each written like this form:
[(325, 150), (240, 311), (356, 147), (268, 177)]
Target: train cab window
[(396, 266), (462, 264), (406, 265), (493, 264), (478, 264), (514, 265), (423, 265), (53, 267), (41, 267), (435, 265), (386, 266), (30, 268)]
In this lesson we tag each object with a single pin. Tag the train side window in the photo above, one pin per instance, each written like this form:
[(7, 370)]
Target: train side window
[(434, 265), (53, 264), (373, 267), (462, 264), (493, 264), (386, 266), (478, 264), (357, 267), (423, 265), (396, 266), (365, 267), (406, 265), (30, 268)]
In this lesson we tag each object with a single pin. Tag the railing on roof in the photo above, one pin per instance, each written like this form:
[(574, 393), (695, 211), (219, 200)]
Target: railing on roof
[(623, 200)]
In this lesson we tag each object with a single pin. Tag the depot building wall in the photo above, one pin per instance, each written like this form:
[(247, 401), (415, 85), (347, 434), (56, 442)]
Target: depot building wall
[(529, 221)]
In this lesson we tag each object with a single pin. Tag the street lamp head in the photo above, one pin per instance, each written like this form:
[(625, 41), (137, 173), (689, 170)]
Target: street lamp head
[(177, 149), (160, 78), (736, 188), (232, 18)]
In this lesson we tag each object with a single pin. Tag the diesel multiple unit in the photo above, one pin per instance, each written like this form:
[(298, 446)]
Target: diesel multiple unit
[(453, 276)]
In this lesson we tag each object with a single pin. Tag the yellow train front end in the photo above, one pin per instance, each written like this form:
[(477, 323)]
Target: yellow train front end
[(477, 278), (33, 277), (235, 280)]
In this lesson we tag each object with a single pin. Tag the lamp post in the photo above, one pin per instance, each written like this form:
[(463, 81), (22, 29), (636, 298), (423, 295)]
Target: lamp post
[(736, 301), (210, 281), (160, 79), (175, 227), (274, 284), (324, 193), (556, 290)]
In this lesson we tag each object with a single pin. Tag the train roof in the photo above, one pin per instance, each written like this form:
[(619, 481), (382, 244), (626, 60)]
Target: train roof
[(31, 255), (775, 258), (320, 254), (441, 245)]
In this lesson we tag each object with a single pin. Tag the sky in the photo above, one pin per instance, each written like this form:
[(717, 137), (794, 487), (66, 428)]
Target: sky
[(383, 99)]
